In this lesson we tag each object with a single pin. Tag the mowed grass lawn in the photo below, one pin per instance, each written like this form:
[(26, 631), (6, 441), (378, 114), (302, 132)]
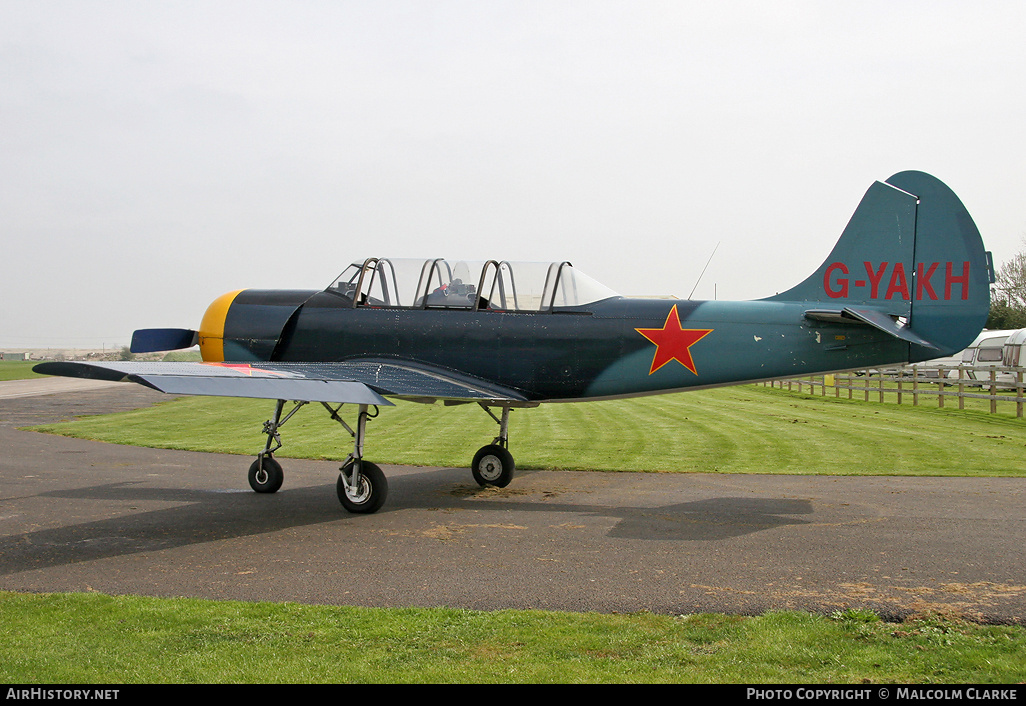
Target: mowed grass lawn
[(744, 429), (92, 638), (18, 370), (87, 638)]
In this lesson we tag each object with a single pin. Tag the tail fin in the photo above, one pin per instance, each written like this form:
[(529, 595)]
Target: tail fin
[(910, 262)]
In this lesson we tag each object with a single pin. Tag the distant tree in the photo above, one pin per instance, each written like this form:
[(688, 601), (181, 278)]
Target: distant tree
[(125, 353), (1003, 316), (1008, 297)]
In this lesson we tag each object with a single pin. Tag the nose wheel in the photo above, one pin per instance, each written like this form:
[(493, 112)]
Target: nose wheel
[(266, 475)]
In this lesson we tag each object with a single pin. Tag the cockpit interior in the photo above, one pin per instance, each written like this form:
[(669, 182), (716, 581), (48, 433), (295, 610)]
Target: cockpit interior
[(488, 285)]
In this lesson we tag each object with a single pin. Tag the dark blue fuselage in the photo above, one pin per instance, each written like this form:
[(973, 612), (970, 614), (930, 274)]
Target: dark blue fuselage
[(593, 351)]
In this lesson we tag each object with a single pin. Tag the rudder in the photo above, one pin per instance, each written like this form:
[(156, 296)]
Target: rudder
[(953, 272), (910, 262)]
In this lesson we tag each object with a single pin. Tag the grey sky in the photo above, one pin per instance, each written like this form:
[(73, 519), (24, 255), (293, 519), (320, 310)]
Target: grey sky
[(154, 155)]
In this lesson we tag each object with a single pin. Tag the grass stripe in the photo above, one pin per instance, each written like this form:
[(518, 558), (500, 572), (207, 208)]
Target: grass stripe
[(119, 640), (744, 429)]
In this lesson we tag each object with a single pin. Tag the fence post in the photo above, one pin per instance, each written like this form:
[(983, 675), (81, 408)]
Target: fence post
[(993, 391), (961, 387), (1018, 393)]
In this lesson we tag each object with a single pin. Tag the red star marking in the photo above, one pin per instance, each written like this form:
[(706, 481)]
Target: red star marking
[(673, 342)]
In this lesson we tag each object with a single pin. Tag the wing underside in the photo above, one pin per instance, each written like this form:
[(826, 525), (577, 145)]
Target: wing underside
[(350, 382)]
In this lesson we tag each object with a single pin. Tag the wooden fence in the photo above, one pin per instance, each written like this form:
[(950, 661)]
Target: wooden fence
[(1001, 387)]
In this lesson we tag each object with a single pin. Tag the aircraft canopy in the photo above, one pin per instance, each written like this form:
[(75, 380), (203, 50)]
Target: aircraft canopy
[(483, 285)]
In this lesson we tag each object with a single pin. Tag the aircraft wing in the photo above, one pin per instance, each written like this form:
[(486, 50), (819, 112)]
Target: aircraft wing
[(350, 382)]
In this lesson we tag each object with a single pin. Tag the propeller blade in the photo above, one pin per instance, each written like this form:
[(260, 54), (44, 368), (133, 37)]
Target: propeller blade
[(149, 340)]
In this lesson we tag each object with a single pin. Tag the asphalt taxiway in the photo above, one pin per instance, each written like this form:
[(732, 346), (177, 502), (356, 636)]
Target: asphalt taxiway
[(86, 516)]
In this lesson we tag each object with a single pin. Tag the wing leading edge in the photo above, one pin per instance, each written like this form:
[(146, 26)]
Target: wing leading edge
[(350, 382)]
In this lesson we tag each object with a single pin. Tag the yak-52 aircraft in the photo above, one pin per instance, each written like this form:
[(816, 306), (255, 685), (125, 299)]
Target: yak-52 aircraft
[(907, 281)]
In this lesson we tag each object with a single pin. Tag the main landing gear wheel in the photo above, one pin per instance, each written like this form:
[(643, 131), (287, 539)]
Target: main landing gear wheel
[(371, 488), (265, 475), (493, 465)]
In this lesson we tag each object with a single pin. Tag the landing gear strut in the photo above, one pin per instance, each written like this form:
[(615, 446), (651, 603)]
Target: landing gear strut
[(265, 474), (493, 464), (361, 485)]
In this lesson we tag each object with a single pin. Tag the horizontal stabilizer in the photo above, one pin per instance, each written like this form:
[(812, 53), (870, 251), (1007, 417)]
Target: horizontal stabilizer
[(149, 340), (872, 317)]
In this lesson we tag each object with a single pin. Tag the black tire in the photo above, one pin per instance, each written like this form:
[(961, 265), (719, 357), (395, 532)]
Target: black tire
[(371, 492), (267, 479), (493, 465)]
